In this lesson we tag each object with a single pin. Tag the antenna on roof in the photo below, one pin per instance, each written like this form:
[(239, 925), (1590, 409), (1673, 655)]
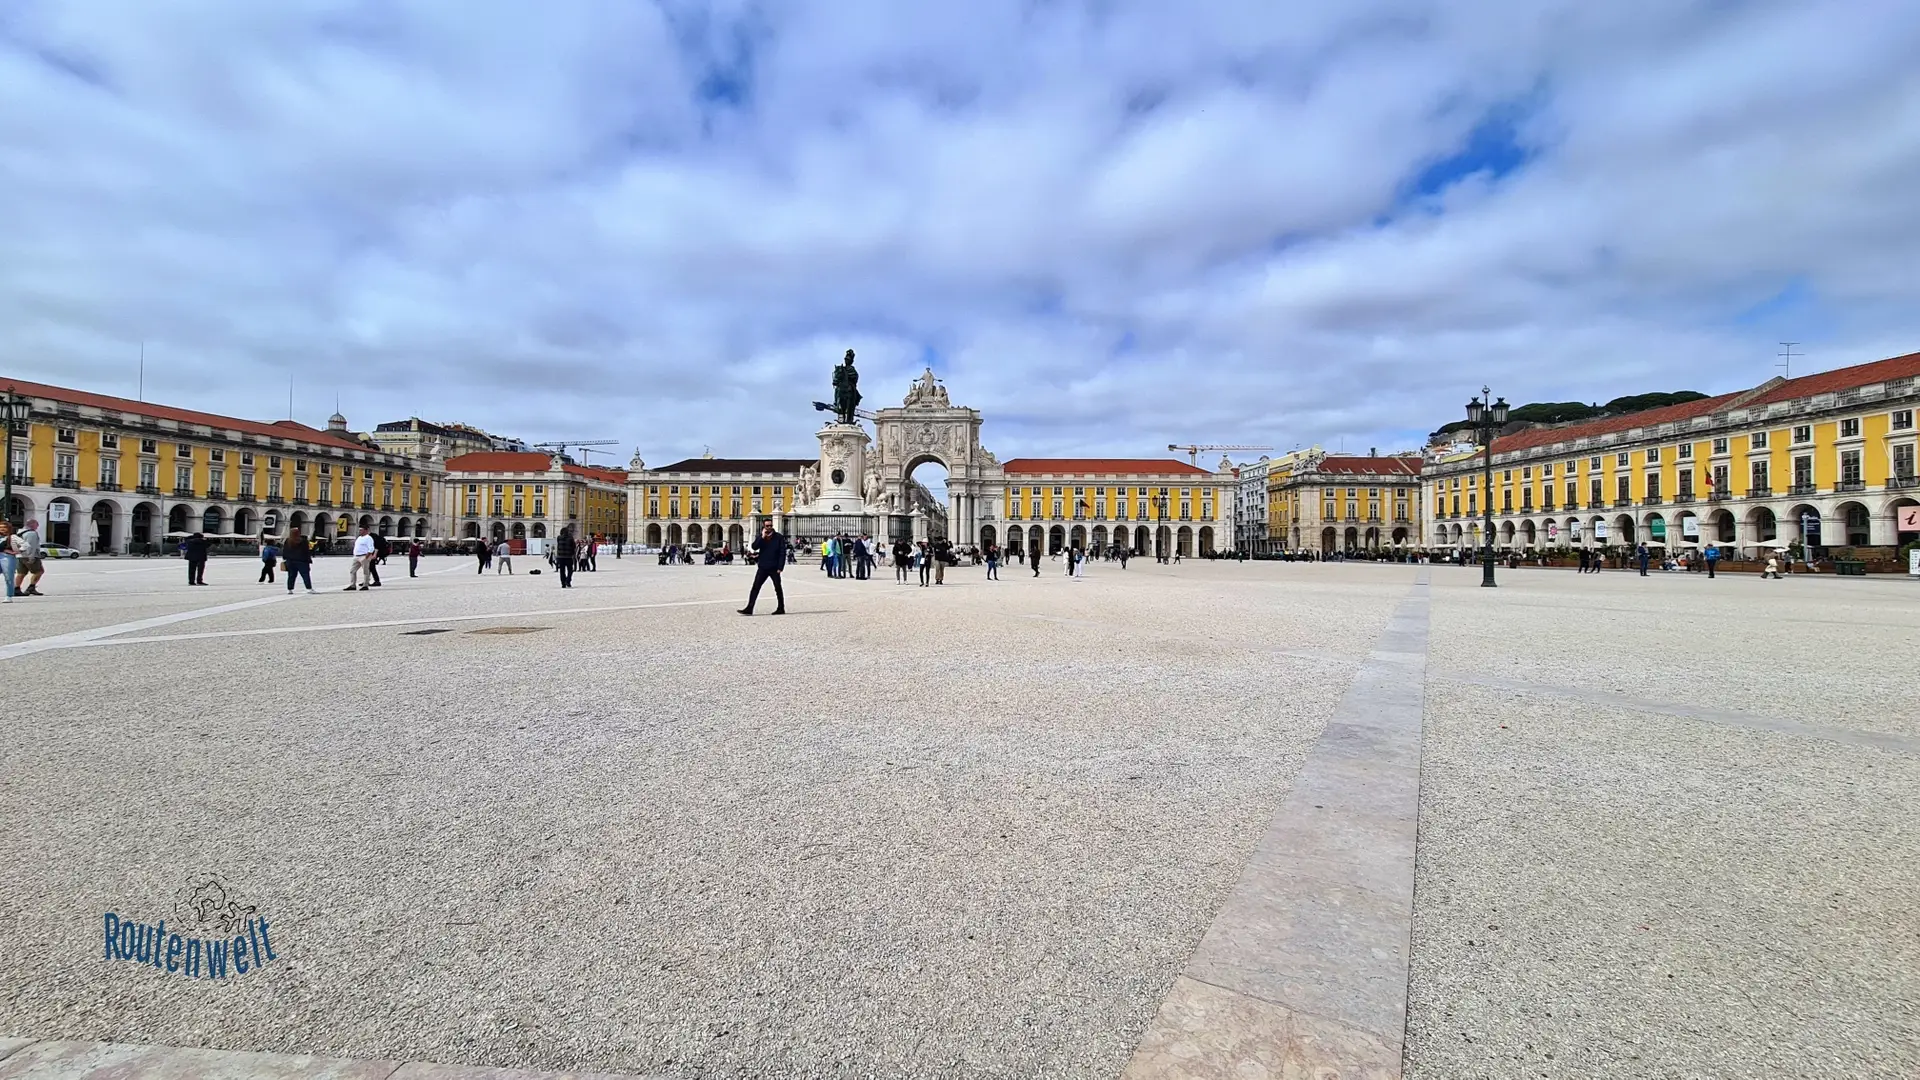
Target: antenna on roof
[(1786, 355)]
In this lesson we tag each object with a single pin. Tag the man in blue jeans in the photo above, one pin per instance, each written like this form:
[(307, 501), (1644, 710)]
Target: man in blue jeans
[(769, 558), (1713, 559)]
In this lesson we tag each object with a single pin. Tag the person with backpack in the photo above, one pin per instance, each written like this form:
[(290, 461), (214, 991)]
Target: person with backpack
[(269, 554)]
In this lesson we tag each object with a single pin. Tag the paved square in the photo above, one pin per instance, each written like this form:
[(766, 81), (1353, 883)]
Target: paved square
[(1667, 826)]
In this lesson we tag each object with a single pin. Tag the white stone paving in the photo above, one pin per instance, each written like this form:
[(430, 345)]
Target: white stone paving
[(971, 831)]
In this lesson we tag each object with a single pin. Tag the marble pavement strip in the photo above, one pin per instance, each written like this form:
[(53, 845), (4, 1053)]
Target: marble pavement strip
[(24, 1059), (1304, 970)]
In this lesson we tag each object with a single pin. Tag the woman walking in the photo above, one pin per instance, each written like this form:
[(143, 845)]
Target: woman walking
[(268, 555), (9, 561), (297, 557)]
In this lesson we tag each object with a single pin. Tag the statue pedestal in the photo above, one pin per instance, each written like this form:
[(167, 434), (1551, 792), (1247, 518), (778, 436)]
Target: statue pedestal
[(840, 507)]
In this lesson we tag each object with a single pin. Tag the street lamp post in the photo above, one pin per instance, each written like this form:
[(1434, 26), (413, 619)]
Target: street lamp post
[(1487, 419), (15, 419)]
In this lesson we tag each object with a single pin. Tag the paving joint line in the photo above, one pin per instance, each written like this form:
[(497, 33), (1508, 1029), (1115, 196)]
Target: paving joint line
[(74, 1059), (1304, 969)]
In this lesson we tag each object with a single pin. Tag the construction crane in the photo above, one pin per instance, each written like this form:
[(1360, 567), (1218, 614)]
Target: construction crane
[(561, 447), (1193, 449)]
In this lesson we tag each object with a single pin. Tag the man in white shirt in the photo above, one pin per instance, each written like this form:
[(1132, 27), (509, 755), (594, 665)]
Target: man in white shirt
[(360, 571)]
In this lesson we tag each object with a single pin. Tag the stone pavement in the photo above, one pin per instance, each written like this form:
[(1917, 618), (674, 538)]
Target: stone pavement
[(23, 1059), (1157, 822)]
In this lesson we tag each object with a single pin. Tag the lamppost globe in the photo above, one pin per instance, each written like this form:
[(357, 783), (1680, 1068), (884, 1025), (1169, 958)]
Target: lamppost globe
[(1476, 411), (1500, 412)]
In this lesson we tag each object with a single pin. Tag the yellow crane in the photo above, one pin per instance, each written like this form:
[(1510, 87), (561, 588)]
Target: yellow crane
[(1193, 449)]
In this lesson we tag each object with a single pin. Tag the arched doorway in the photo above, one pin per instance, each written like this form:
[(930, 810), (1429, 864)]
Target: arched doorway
[(1528, 533), (1763, 524), (243, 522), (297, 521), (539, 530), (1140, 540), (213, 521), (19, 509), (1162, 542), (653, 535), (1804, 524), (1078, 538), (1056, 539), (736, 537), (926, 479), (1856, 522), (673, 536), (1328, 538), (1657, 531), (1623, 531), (988, 536), (103, 515), (322, 525), (472, 531), (60, 532), (404, 527), (1722, 527), (140, 523), (344, 527), (1372, 539), (385, 528), (178, 517), (1099, 538), (1506, 534), (366, 522), (519, 530), (499, 531), (420, 529), (1206, 539), (1035, 542), (696, 536), (1350, 539)]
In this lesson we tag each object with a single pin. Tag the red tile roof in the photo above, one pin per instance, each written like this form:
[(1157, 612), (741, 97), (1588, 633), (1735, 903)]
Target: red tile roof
[(1102, 466), (279, 429), (1371, 466), (1846, 378), (1547, 436), (508, 461)]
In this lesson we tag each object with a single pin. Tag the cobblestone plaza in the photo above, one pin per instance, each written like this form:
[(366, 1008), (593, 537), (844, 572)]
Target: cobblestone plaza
[(1166, 821)]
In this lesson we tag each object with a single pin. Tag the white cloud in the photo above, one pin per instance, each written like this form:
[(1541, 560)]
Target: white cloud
[(1114, 225)]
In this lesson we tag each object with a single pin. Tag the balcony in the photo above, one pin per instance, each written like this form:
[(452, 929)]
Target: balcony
[(20, 479), (387, 507), (1622, 503), (1653, 500), (275, 500), (1844, 485), (148, 489), (301, 502), (180, 492), (1759, 493), (105, 486), (1902, 483), (328, 503), (366, 506), (67, 482), (1803, 489), (1685, 498)]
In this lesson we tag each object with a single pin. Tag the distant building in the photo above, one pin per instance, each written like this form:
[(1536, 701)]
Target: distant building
[(416, 437), (511, 495), (1331, 503)]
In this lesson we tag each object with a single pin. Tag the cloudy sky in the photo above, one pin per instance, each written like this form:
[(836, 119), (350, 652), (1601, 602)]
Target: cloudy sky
[(1108, 225)]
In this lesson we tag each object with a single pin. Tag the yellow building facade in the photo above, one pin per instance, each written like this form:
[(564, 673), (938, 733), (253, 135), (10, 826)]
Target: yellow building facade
[(709, 502), (108, 475), (1149, 506), (1828, 459), (508, 495), (1338, 503)]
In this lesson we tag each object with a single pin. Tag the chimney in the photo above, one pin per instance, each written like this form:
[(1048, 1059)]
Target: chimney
[(1373, 451)]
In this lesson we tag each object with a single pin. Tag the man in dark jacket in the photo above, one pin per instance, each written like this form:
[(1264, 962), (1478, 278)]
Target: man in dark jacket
[(564, 552), (902, 560), (196, 559), (299, 559), (1033, 556), (769, 557)]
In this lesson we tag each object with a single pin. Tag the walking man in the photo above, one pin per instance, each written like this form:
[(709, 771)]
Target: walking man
[(902, 561), (1033, 556), (413, 559), (502, 558), (1643, 555), (769, 558), (564, 551), (942, 554), (362, 564), (26, 550), (380, 550), (299, 559), (1713, 559), (993, 562)]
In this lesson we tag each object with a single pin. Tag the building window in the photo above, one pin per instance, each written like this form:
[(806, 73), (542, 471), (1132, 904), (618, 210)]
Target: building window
[(64, 468), (1902, 419), (109, 441), (1685, 477), (183, 478), (499, 503), (1686, 450), (300, 466), (246, 484), (1720, 445), (326, 491), (519, 489), (217, 455), (149, 475), (1803, 433), (1653, 486), (1720, 480), (1622, 489), (1850, 428), (148, 446), (63, 434), (1653, 454), (183, 450), (519, 507), (300, 489), (273, 485), (1803, 472), (1903, 461), (1547, 470), (473, 504), (109, 472), (246, 459), (1758, 475), (273, 463), (1850, 467), (1757, 440), (1573, 494)]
